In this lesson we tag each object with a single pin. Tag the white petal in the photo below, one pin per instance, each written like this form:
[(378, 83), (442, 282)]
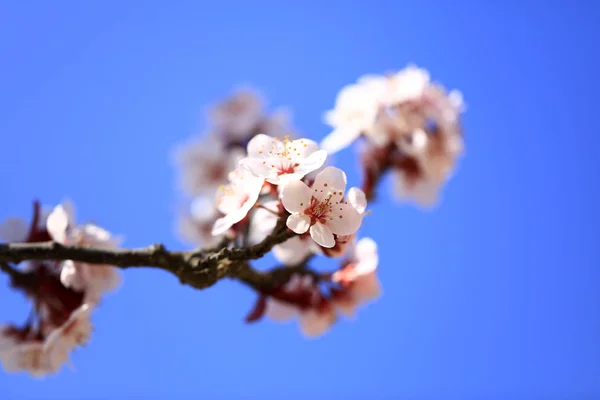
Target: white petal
[(340, 138), (311, 163), (292, 252), (299, 223), (331, 179), (57, 224), (295, 196), (366, 256), (260, 167), (14, 230), (221, 226), (303, 147), (68, 275), (261, 145), (345, 220), (357, 199), (322, 235), (263, 222)]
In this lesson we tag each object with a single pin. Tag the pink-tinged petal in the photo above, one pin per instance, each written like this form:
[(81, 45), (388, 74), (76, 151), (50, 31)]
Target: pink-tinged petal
[(280, 311), (261, 146), (221, 226), (357, 199), (311, 163), (340, 138), (292, 252), (299, 223), (329, 180), (367, 287), (14, 230), (295, 196), (366, 256), (345, 220), (303, 147), (57, 224), (313, 323), (263, 221), (322, 235), (260, 167)]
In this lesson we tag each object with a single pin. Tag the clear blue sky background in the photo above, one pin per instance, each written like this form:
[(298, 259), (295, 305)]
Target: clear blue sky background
[(493, 295)]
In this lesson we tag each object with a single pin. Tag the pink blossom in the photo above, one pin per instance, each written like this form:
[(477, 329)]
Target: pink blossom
[(238, 115), (236, 199), (320, 209), (94, 280), (195, 224), (357, 107), (205, 163), (282, 161), (358, 277)]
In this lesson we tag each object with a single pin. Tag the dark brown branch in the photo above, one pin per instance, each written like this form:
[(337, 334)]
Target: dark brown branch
[(197, 268)]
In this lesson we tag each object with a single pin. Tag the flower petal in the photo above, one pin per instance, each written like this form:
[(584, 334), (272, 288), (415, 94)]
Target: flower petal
[(57, 224), (295, 196), (357, 199), (322, 235), (293, 251), (345, 220), (261, 145), (328, 181), (311, 163), (303, 147), (340, 138), (299, 223), (260, 167), (366, 256)]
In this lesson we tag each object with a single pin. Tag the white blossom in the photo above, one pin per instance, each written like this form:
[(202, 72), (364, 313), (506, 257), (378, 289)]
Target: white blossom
[(195, 224), (359, 277), (357, 107), (236, 199), (320, 209), (205, 163), (239, 114), (92, 279), (282, 161)]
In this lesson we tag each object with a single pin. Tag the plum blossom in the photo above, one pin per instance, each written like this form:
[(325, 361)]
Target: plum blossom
[(358, 277), (357, 107), (291, 252), (282, 161), (236, 199), (321, 209), (237, 115), (94, 280), (23, 350), (358, 200), (204, 164), (299, 297), (390, 108), (196, 222)]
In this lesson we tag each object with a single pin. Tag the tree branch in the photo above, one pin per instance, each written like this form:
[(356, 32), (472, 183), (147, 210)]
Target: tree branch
[(198, 268)]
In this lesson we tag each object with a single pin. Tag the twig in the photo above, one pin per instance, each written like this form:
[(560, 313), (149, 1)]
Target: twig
[(197, 268)]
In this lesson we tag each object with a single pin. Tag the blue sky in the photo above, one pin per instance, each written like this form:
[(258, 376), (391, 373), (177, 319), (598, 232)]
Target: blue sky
[(492, 295)]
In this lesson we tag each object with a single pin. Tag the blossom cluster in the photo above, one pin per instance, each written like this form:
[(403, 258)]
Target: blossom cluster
[(411, 127), (284, 178), (248, 179), (204, 163), (63, 294)]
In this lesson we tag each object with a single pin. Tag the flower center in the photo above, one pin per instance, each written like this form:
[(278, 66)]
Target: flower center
[(319, 210)]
